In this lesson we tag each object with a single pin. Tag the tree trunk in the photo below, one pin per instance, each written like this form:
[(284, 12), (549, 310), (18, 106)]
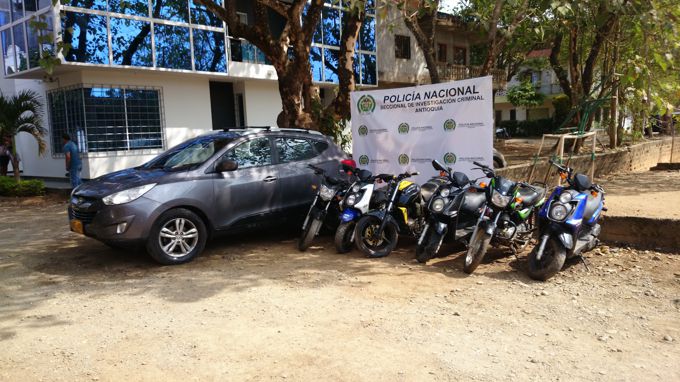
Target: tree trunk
[(613, 119), (423, 28), (15, 160)]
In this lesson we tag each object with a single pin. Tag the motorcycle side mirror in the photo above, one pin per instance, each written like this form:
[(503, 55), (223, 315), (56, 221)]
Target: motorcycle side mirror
[(438, 166), (226, 165)]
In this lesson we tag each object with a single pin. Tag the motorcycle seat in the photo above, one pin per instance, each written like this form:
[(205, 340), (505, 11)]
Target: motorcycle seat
[(531, 196)]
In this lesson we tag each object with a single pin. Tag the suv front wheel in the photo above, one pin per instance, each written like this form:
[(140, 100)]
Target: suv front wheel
[(176, 237)]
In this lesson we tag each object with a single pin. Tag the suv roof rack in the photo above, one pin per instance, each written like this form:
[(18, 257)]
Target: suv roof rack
[(246, 128), (297, 130)]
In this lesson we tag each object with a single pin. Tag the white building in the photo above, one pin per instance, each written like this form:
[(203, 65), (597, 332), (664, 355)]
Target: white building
[(144, 75)]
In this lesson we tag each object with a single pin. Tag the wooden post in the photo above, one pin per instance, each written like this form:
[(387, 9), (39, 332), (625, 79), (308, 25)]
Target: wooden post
[(592, 157), (560, 152), (531, 174)]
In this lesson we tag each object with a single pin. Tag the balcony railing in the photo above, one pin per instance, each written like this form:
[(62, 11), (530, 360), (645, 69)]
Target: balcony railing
[(450, 72)]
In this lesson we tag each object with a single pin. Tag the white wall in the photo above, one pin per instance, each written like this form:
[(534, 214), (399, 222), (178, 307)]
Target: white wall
[(390, 68), (262, 102)]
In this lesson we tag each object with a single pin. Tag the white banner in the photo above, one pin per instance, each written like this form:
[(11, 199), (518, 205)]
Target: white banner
[(404, 129)]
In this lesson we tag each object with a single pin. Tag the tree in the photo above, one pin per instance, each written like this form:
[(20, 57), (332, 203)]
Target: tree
[(525, 94), (288, 50), (420, 18), (22, 113)]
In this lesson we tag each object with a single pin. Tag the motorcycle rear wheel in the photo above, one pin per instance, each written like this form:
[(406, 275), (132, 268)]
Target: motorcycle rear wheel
[(479, 243), (551, 262), (375, 247), (344, 237)]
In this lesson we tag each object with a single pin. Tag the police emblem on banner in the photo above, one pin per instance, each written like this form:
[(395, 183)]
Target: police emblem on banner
[(403, 159), (449, 125), (363, 160), (450, 158), (363, 130), (366, 104), (403, 128)]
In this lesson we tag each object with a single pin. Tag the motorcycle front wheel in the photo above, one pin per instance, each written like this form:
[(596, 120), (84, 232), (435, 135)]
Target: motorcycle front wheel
[(551, 262), (372, 246), (479, 243), (344, 237), (427, 249), (309, 233)]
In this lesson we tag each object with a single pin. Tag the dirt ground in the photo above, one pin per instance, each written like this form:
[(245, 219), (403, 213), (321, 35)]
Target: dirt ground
[(256, 309), (654, 194)]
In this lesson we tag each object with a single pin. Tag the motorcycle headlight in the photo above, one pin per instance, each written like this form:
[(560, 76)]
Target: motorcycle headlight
[(356, 188), (126, 196), (565, 197), (438, 205), (558, 212), (444, 192), (351, 200), (499, 200), (326, 193)]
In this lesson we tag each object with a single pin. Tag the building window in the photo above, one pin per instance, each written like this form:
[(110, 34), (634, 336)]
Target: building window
[(459, 56), (402, 47), (106, 119), (513, 114), (441, 52), (498, 117)]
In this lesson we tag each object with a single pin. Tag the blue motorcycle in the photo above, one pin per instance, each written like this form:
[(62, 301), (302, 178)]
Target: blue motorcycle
[(568, 224)]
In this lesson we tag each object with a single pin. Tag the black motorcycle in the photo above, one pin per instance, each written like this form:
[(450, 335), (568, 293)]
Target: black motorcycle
[(328, 193), (507, 217), (377, 231), (568, 224), (453, 210)]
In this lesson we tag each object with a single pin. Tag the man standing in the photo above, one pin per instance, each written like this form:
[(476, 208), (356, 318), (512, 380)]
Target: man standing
[(73, 164)]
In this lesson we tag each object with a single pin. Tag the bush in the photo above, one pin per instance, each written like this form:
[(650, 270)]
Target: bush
[(562, 106), (31, 187), (534, 128)]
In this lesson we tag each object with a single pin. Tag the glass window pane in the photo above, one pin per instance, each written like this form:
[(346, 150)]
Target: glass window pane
[(368, 34), (317, 32), (17, 9), (200, 15), (99, 5), (95, 48), (30, 6), (256, 152), (317, 64), (44, 4), (130, 7), (8, 52), (331, 26), (356, 66), (33, 46), (20, 46), (209, 51), (331, 62), (368, 71), (5, 12), (370, 7), (294, 149), (46, 39), (131, 42), (143, 117), (57, 109), (174, 10), (172, 47)]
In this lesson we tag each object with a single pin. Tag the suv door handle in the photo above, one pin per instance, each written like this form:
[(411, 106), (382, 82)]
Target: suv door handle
[(269, 179)]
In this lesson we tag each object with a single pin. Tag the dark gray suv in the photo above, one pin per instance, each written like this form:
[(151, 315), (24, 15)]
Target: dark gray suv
[(223, 181)]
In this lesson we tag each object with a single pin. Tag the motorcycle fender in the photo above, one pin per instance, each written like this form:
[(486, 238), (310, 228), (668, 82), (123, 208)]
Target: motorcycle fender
[(567, 240), (488, 226), (382, 216), (349, 214), (441, 228), (318, 213)]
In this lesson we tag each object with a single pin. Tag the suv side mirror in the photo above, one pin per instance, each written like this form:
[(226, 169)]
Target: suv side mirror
[(226, 165)]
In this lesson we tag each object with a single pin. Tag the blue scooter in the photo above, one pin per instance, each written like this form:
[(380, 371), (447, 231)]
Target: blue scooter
[(568, 224)]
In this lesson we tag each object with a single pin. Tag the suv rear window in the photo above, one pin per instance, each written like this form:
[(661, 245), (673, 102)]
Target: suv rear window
[(297, 149)]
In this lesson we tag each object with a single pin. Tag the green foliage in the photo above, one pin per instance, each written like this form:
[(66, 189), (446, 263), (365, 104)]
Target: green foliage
[(48, 57), (525, 94), (562, 106), (10, 187), (23, 113), (330, 127), (535, 128)]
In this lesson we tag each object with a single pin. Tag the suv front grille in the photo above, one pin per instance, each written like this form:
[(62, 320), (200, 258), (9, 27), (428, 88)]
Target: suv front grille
[(85, 216)]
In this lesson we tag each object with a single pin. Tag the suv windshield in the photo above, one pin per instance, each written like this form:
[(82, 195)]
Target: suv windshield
[(190, 154)]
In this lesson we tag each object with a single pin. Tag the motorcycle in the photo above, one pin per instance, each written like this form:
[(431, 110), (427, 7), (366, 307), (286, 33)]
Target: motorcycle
[(568, 224), (361, 197), (506, 218), (328, 192), (377, 232), (454, 208)]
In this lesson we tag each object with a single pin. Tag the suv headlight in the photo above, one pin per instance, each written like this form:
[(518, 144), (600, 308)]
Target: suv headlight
[(559, 212), (126, 196), (326, 192), (499, 200), (351, 200), (438, 205)]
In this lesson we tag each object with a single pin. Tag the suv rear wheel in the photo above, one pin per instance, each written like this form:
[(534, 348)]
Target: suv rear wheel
[(176, 237)]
